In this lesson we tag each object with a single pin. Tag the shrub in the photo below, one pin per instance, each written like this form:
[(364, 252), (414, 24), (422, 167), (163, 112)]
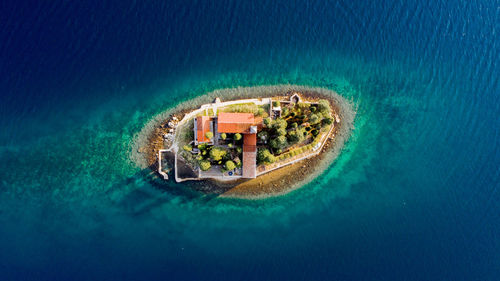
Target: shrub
[(285, 111), (324, 107), (205, 165), (237, 136), (229, 165), (243, 108), (264, 156), (209, 135), (187, 147), (315, 142), (303, 105), (216, 153), (268, 122), (314, 119), (223, 136)]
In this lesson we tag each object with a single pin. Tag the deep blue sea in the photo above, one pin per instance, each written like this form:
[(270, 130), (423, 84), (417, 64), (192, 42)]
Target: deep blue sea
[(414, 195)]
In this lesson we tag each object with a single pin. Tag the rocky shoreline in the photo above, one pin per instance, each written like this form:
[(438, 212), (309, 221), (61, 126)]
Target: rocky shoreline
[(155, 134)]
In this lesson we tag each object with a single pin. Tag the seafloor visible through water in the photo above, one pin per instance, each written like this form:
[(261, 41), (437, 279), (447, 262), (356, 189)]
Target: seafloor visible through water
[(413, 195)]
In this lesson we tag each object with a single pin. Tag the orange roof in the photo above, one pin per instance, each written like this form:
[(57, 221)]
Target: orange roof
[(234, 122), (249, 139), (202, 127)]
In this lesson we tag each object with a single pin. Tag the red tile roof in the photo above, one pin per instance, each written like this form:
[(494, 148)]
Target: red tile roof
[(249, 139), (234, 122), (202, 127)]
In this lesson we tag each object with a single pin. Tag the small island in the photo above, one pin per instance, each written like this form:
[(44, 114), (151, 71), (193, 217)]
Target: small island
[(249, 147)]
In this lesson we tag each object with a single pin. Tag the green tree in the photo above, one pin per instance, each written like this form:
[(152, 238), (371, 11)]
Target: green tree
[(276, 103), (281, 131), (296, 136), (209, 135), (285, 111), (223, 136), (314, 119), (187, 147), (263, 135), (264, 156), (237, 136), (261, 111), (268, 122), (327, 121), (279, 123), (205, 165), (217, 153), (229, 165), (279, 142)]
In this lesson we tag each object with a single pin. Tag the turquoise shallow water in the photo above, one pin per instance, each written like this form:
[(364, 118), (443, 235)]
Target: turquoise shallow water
[(413, 195)]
